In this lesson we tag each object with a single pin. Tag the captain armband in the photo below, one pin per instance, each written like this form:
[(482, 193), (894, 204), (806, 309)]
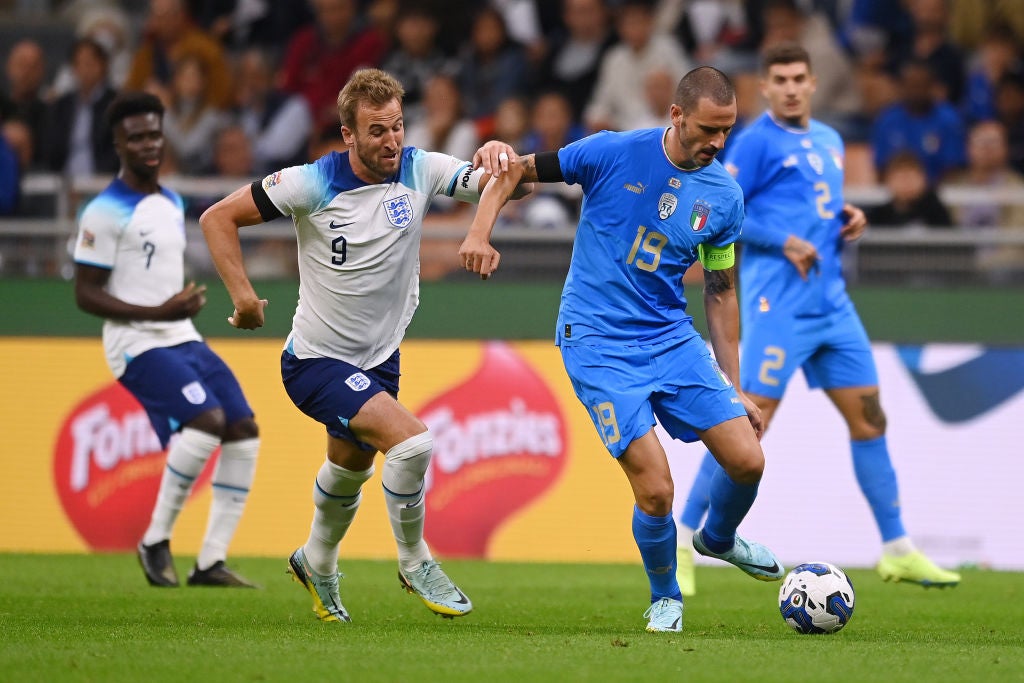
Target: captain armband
[(716, 258)]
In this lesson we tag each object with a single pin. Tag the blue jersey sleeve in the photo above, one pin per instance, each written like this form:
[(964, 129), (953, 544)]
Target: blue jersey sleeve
[(582, 160), (747, 162)]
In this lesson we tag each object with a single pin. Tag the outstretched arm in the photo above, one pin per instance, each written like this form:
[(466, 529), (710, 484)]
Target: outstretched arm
[(722, 311), (476, 252), (220, 225)]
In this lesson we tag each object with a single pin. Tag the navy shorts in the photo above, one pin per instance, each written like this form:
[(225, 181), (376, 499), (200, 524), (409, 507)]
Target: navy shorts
[(176, 384), (624, 388), (332, 391)]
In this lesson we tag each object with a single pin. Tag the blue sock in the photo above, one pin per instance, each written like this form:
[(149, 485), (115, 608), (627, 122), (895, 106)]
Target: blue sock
[(656, 538), (877, 481), (697, 502), (729, 505)]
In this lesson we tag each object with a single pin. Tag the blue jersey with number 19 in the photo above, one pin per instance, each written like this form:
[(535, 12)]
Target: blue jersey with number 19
[(642, 222), (792, 180)]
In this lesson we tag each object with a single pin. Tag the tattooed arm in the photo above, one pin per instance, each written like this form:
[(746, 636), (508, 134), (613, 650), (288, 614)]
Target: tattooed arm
[(723, 316)]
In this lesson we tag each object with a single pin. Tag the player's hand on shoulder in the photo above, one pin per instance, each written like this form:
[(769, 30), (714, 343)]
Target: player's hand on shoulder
[(801, 254), (856, 223), (494, 156), (186, 303), (248, 315)]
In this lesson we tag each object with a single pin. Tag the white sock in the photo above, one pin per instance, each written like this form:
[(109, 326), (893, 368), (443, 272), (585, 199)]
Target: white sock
[(336, 495), (185, 461), (232, 480), (898, 547), (404, 468)]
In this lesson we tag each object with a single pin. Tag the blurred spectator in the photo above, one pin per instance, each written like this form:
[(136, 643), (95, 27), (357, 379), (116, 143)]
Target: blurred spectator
[(932, 129), (78, 141), (551, 205), (240, 24), (836, 100), (321, 57), (723, 33), (970, 20), (913, 200), (998, 54), (618, 102), (278, 124), (659, 91), (552, 125), (109, 26), (988, 169), (512, 122), (1010, 112), (522, 22), (416, 56), (170, 36), (10, 178), (443, 127), (929, 40), (191, 121), (24, 99), (492, 66), (875, 28), (572, 64)]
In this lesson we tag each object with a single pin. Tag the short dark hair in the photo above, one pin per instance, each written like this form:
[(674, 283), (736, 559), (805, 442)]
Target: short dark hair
[(130, 104), (704, 81), (785, 53)]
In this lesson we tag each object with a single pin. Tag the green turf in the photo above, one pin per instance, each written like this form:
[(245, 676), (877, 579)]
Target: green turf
[(91, 618)]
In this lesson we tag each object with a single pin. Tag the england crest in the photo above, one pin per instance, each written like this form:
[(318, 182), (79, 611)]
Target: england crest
[(399, 211), (667, 205), (699, 215)]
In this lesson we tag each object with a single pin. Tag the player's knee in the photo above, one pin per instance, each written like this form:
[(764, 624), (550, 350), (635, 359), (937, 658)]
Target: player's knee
[(245, 428), (405, 464), (656, 500), (746, 470), (211, 422)]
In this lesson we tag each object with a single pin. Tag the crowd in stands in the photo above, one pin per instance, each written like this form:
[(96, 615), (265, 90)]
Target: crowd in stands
[(925, 91)]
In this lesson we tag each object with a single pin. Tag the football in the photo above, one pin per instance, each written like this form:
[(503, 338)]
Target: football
[(816, 597)]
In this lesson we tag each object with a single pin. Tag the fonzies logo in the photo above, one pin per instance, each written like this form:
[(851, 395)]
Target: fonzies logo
[(500, 441), (107, 468)]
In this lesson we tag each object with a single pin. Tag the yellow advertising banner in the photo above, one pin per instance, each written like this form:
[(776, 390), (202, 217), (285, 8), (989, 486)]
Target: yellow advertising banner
[(518, 471)]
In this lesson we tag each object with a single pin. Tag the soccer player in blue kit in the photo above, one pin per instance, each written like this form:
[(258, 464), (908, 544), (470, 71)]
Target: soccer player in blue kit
[(655, 202), (129, 270), (796, 313), (358, 218)]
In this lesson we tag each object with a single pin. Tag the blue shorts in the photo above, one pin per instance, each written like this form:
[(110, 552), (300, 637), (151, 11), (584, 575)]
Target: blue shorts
[(833, 350), (625, 387), (332, 391), (176, 384)]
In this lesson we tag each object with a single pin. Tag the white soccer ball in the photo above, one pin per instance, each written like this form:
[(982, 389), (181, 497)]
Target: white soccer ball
[(816, 597)]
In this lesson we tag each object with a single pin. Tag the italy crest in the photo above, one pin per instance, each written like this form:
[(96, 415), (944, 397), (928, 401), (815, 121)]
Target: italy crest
[(699, 215)]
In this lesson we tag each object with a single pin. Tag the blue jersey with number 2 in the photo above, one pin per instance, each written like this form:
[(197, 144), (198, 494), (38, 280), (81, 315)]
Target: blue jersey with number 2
[(642, 220)]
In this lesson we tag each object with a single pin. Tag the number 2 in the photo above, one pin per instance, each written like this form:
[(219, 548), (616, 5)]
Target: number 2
[(824, 197), (775, 358)]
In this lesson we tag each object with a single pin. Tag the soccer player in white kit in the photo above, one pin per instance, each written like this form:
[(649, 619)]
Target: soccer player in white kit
[(129, 270), (358, 220)]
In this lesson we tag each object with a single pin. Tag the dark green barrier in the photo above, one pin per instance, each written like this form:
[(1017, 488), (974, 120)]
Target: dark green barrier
[(520, 310)]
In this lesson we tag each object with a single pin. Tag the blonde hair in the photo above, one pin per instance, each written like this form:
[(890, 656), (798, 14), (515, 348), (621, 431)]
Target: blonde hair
[(372, 86)]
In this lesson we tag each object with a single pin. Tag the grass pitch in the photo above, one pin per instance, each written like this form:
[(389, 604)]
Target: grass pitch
[(93, 618)]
